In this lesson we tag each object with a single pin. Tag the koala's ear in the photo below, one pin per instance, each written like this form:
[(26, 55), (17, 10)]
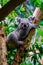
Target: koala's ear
[(18, 19), (31, 18)]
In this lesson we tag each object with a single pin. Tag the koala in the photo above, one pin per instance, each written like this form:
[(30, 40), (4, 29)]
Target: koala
[(18, 36)]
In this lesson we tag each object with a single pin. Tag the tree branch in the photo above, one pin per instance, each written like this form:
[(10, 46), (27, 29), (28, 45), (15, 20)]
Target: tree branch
[(12, 4), (37, 14)]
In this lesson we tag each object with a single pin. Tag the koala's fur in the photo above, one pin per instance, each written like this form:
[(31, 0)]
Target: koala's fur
[(17, 37)]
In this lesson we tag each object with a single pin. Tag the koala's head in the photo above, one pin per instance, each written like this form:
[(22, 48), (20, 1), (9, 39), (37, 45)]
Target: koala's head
[(24, 23)]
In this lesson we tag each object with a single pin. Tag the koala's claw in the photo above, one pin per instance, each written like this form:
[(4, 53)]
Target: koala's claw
[(20, 42)]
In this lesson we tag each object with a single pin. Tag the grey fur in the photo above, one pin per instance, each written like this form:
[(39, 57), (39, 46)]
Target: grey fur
[(17, 37)]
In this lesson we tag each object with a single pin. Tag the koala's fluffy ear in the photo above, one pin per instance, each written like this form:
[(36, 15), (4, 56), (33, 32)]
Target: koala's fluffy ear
[(31, 18), (18, 19)]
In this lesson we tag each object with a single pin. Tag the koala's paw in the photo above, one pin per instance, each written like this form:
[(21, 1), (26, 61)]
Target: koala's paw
[(20, 42), (35, 25)]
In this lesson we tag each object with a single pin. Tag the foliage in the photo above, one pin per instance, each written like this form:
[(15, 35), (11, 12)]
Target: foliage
[(10, 25), (37, 3), (10, 56), (3, 2)]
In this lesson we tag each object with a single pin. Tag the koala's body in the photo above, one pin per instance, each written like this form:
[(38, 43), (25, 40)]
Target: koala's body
[(17, 37)]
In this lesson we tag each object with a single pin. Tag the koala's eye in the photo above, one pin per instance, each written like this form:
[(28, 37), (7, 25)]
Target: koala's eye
[(21, 23), (27, 24)]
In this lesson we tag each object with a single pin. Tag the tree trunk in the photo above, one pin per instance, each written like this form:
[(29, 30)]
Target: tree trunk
[(3, 48)]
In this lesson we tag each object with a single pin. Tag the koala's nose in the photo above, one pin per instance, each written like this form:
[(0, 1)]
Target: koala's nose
[(24, 25)]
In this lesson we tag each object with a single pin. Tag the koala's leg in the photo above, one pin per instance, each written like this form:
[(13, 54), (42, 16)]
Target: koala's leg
[(14, 40)]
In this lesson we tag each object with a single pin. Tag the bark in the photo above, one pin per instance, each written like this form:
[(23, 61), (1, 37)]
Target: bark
[(3, 48), (12, 4), (18, 56)]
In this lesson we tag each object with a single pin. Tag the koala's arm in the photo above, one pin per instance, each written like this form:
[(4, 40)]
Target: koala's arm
[(33, 25), (13, 39)]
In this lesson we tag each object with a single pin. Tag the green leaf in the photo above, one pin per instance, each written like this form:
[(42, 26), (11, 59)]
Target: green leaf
[(12, 57), (5, 1), (40, 32), (22, 8), (23, 63), (41, 22)]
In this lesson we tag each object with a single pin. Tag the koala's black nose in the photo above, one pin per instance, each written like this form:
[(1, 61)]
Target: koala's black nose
[(24, 25)]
